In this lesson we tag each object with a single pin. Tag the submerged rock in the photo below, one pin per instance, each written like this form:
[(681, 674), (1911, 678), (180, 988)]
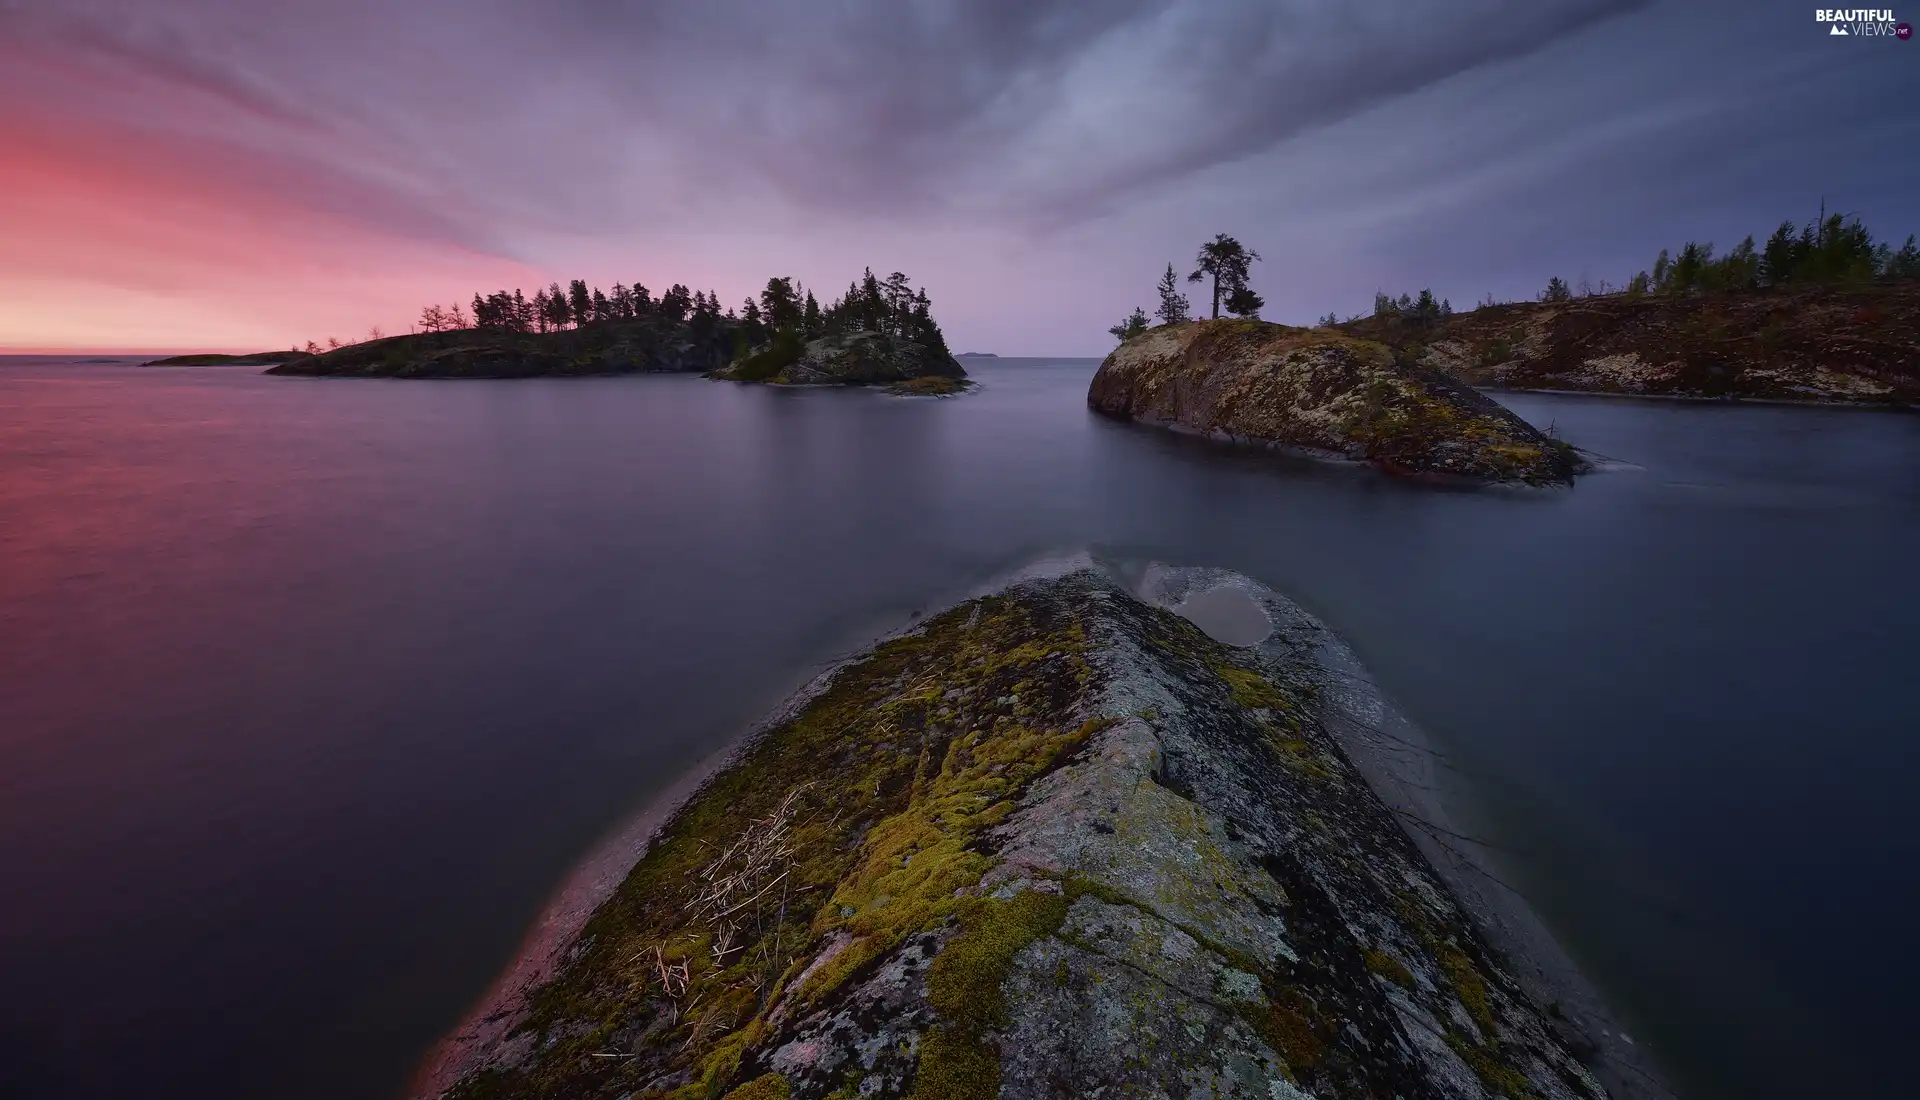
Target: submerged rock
[(1054, 842), (1322, 392), (858, 358)]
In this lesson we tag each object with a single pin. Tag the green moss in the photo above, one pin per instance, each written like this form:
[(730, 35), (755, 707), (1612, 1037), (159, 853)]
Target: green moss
[(1501, 1079), (918, 863), (896, 770), (963, 984), (1290, 1032), (1468, 985), (1389, 968), (955, 1066), (763, 365), (957, 1060), (929, 385), (771, 1086), (1250, 689)]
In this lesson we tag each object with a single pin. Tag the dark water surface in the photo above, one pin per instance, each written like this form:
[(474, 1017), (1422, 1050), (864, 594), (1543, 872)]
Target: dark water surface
[(311, 690)]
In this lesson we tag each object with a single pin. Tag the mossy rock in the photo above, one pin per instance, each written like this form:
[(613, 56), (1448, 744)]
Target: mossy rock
[(1054, 841), (1323, 392)]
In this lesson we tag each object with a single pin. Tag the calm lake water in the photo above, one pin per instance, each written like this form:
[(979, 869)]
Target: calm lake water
[(312, 690)]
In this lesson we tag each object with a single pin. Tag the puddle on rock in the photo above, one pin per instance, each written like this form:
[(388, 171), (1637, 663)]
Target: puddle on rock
[(1228, 615)]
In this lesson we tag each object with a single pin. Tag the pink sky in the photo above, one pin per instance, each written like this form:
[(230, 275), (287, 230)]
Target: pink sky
[(122, 236), (253, 174)]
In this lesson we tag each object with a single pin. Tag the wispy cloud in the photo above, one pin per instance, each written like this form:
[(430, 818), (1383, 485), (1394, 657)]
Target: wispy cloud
[(718, 140), (632, 113)]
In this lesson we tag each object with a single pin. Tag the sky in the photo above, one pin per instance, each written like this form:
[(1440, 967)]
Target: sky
[(250, 174)]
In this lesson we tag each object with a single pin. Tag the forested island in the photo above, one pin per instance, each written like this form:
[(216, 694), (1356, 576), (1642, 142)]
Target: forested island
[(878, 331), (1820, 312)]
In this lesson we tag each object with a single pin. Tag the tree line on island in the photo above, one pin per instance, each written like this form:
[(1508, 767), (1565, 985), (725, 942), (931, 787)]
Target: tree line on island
[(783, 309), (1830, 249)]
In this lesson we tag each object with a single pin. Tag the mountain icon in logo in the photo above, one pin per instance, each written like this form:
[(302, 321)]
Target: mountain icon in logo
[(1837, 29)]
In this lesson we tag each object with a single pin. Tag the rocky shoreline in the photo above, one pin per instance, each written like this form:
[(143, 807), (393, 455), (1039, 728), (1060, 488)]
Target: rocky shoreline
[(1847, 344), (1325, 394), (859, 357), (1013, 848)]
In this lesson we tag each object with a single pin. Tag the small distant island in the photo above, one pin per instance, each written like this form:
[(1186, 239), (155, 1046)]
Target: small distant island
[(977, 355), (880, 332), (257, 359)]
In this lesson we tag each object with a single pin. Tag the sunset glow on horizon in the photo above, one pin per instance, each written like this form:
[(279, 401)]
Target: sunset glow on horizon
[(217, 175)]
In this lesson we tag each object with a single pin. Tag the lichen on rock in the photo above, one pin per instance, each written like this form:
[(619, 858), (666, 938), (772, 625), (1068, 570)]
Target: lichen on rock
[(1322, 392), (1057, 841)]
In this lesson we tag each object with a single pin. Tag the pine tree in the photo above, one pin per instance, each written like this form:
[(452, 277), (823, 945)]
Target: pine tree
[(579, 302), (1780, 257), (1228, 263), (675, 303), (1173, 304), (1690, 266), (1904, 264), (872, 302), (810, 319), (780, 305), (1243, 302), (897, 302), (1556, 291), (1135, 324)]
